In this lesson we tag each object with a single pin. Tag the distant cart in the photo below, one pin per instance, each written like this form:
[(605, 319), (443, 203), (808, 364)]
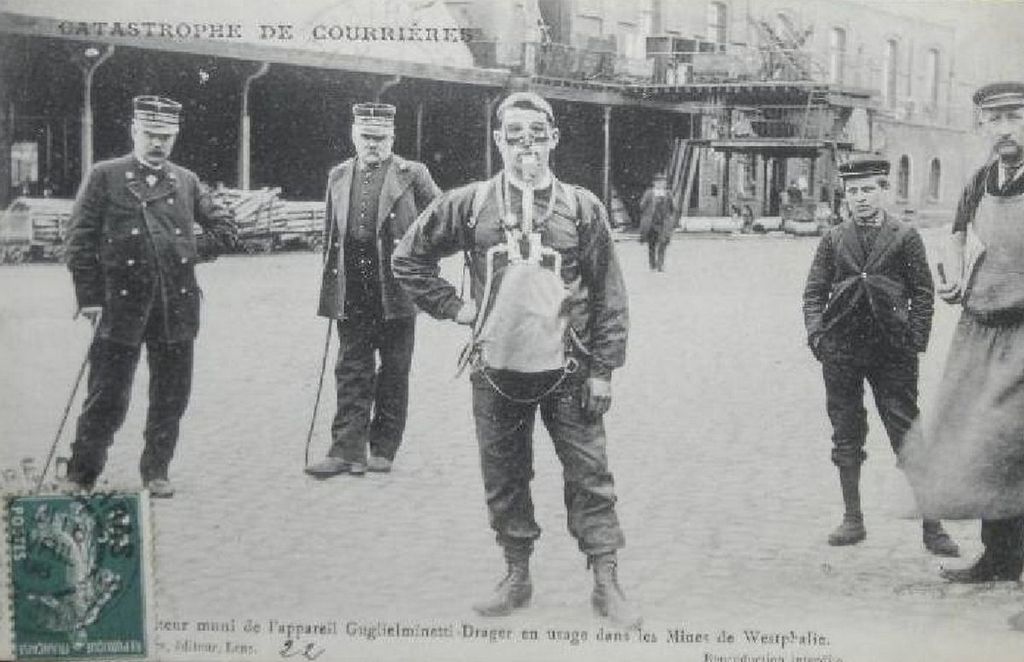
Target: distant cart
[(32, 230), (806, 219)]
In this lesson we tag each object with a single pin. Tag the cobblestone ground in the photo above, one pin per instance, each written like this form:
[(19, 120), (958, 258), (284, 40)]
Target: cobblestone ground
[(717, 438)]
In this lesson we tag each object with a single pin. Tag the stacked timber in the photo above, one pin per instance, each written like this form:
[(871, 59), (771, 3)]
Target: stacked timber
[(252, 211), (266, 222)]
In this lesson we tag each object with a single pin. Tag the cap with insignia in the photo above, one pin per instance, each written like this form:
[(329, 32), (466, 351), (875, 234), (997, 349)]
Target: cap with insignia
[(156, 114), (376, 118), (864, 168), (1000, 95)]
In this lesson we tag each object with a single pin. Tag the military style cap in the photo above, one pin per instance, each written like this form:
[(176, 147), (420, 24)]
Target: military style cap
[(157, 114), (1000, 95), (864, 168), (378, 118)]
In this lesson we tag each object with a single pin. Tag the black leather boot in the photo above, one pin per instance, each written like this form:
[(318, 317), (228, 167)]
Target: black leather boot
[(514, 591), (852, 530), (608, 599)]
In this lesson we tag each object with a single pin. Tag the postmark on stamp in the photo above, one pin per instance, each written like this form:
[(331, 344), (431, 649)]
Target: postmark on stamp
[(78, 575)]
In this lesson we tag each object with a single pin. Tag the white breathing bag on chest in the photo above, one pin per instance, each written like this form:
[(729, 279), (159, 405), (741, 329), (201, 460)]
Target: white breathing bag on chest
[(522, 322)]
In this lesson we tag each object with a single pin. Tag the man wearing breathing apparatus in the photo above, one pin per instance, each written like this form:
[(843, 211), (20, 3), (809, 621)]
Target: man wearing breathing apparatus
[(549, 313)]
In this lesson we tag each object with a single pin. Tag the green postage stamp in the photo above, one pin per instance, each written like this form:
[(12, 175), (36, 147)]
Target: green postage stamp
[(77, 575)]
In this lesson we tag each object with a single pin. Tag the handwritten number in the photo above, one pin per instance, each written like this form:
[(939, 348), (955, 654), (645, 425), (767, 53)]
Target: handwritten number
[(310, 652)]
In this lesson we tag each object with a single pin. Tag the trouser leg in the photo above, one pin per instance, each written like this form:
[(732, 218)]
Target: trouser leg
[(111, 371), (504, 431), (354, 377), (579, 440), (170, 383), (662, 248), (391, 395), (1004, 542), (844, 401), (652, 253), (894, 385)]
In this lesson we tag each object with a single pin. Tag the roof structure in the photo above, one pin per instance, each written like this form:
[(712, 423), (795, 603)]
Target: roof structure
[(403, 37)]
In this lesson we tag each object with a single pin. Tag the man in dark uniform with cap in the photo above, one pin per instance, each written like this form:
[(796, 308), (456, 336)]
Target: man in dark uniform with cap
[(657, 221), (980, 402), (371, 200), (868, 307), (132, 249)]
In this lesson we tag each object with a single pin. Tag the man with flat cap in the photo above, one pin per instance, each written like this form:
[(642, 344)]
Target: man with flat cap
[(657, 221), (132, 250), (552, 326), (970, 462), (372, 200), (868, 306)]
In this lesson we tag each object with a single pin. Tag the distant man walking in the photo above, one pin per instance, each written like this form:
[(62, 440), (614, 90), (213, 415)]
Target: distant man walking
[(544, 275), (657, 221), (868, 307), (970, 462), (372, 199), (132, 250)]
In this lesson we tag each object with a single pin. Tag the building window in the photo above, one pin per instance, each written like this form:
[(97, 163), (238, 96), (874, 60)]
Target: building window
[(647, 18), (24, 165), (717, 23), (837, 54), (932, 72), (935, 180), (903, 178), (890, 71)]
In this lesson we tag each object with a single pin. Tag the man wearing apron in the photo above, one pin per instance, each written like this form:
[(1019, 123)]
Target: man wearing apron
[(543, 271), (970, 462)]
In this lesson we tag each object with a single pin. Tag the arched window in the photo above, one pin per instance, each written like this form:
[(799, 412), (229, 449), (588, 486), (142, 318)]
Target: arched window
[(890, 71), (718, 31), (935, 180), (903, 178), (837, 54)]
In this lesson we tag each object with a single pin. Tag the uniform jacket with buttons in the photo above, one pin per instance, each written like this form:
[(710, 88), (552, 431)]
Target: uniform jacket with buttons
[(893, 280), (132, 249), (408, 188)]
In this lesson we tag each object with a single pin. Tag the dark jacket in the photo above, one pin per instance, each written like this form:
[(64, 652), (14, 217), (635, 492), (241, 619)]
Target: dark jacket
[(887, 292), (407, 189), (597, 305), (132, 249), (657, 213)]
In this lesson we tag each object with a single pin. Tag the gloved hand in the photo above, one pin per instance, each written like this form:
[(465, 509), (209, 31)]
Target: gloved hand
[(596, 395)]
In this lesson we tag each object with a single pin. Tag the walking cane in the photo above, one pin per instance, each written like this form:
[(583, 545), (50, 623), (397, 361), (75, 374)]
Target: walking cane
[(71, 401), (319, 390)]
